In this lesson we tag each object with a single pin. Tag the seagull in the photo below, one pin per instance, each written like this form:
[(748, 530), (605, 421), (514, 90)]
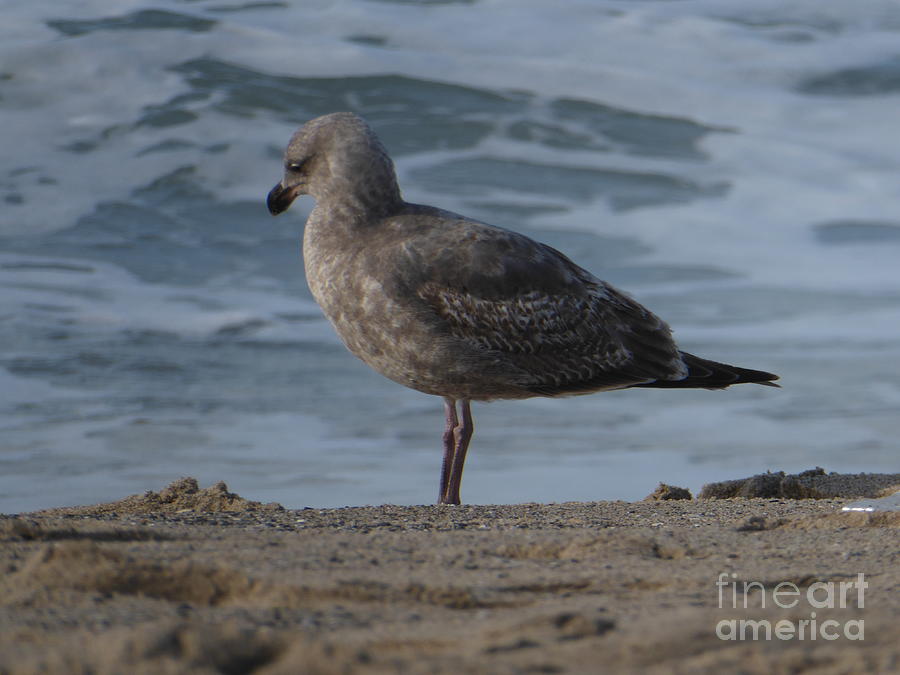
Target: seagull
[(457, 308)]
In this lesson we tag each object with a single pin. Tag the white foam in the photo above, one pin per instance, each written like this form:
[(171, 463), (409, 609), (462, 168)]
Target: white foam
[(793, 161), (105, 298)]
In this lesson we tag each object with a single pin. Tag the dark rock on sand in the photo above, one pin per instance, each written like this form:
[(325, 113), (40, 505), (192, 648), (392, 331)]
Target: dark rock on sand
[(811, 484)]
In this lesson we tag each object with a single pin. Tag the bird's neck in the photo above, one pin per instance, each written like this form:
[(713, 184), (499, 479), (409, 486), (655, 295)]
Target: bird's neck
[(360, 204)]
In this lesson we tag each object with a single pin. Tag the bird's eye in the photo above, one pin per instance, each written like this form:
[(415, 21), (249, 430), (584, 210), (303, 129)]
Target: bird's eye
[(294, 166)]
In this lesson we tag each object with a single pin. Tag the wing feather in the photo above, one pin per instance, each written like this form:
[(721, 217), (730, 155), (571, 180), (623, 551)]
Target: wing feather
[(562, 329)]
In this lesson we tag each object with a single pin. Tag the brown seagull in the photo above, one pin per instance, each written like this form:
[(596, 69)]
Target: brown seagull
[(460, 309)]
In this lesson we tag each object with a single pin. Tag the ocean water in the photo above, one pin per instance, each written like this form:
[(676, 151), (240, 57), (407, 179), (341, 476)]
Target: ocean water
[(735, 166)]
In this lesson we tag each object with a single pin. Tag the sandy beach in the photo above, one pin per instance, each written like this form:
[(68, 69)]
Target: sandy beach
[(200, 580)]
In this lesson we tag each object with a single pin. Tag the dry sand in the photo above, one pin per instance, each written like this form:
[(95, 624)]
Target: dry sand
[(203, 581)]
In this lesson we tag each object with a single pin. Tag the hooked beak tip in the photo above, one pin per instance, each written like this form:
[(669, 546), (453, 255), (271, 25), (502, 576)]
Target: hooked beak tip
[(279, 199)]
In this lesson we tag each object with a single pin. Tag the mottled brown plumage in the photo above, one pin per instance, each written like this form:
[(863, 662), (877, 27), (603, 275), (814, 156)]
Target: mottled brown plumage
[(460, 309)]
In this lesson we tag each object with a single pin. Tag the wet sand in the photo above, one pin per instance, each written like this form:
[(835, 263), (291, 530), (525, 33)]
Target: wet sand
[(193, 580)]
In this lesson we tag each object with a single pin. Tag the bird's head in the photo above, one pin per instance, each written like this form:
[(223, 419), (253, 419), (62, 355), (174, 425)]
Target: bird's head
[(336, 156)]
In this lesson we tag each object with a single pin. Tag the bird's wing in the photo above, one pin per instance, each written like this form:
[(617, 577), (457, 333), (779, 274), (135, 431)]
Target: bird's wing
[(526, 302)]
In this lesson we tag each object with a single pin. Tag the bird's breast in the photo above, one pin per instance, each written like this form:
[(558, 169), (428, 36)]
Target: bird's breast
[(387, 331)]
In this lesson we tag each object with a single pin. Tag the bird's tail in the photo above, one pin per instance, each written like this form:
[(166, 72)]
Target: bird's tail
[(705, 374)]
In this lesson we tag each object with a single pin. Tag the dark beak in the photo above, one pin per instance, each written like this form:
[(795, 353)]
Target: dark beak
[(280, 199)]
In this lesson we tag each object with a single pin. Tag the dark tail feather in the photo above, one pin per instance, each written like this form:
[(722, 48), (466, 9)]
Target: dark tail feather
[(705, 374)]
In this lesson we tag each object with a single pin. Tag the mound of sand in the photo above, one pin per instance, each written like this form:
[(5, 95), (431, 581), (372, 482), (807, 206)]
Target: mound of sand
[(182, 495)]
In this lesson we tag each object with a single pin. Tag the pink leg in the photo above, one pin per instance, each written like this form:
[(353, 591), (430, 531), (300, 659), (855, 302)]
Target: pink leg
[(449, 447), (457, 435)]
